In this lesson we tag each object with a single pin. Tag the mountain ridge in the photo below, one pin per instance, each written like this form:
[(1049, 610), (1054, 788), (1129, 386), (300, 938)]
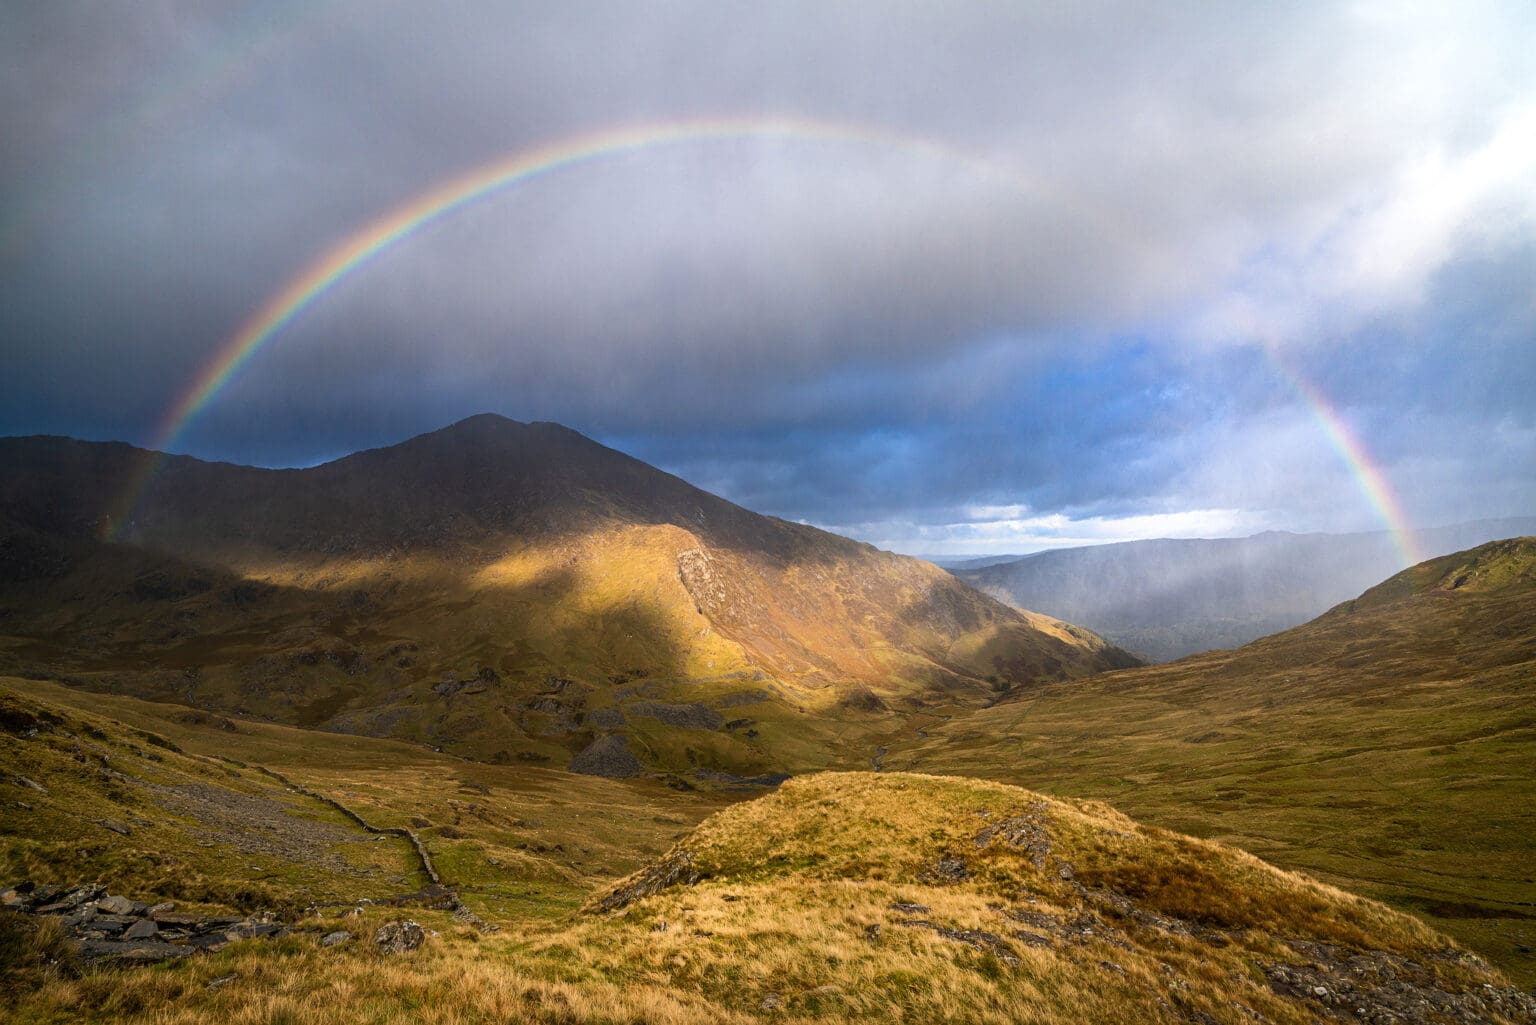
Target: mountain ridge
[(505, 589)]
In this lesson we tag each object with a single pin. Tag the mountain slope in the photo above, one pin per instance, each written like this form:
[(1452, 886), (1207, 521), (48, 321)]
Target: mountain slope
[(1169, 598), (1385, 745), (503, 590)]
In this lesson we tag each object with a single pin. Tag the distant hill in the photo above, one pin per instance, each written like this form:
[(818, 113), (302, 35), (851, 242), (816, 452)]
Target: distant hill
[(1169, 598), (499, 589), (1385, 746)]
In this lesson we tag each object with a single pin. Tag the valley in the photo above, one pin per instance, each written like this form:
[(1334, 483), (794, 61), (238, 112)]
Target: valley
[(1384, 746), (631, 753)]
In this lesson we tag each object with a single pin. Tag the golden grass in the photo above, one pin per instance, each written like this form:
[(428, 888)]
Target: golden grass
[(793, 918)]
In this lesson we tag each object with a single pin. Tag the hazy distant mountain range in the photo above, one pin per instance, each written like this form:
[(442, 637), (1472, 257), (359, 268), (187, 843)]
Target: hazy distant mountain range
[(1169, 598)]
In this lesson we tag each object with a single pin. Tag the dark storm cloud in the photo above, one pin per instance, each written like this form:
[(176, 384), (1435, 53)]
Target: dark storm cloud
[(1055, 298)]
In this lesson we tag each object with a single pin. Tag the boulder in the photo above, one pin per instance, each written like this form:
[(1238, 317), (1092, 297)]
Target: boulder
[(399, 937), (113, 905), (331, 939)]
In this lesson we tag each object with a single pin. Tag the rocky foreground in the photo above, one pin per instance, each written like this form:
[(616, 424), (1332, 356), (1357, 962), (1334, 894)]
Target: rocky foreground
[(111, 927)]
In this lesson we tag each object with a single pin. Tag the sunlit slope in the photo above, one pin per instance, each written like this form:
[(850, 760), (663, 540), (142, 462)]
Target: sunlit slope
[(1386, 746), (903, 897), (502, 590)]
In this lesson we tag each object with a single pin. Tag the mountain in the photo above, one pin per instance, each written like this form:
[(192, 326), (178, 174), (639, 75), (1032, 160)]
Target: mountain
[(499, 589), (1169, 598), (1385, 746)]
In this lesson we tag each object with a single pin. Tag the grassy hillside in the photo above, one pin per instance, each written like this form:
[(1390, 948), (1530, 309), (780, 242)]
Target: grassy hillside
[(861, 897), (1387, 746), (502, 591), (516, 841)]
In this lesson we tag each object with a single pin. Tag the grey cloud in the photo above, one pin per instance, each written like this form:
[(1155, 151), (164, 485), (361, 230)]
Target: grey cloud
[(863, 330)]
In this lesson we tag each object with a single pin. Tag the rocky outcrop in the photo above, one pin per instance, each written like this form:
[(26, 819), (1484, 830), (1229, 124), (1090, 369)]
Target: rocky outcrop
[(676, 867), (607, 756)]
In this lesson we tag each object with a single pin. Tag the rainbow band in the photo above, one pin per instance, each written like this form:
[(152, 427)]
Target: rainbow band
[(355, 251), (1373, 483), (358, 249)]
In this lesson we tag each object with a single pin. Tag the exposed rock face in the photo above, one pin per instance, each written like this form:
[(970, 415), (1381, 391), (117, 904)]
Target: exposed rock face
[(608, 756), (605, 718), (689, 717)]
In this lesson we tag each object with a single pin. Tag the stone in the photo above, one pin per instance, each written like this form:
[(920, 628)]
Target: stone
[(222, 981), (81, 915), (608, 756), (399, 937), (115, 905), (331, 939), (121, 828), (82, 894), (163, 908), (772, 1002), (113, 924), (31, 784), (146, 951), (947, 870), (143, 929), (213, 942), (248, 930)]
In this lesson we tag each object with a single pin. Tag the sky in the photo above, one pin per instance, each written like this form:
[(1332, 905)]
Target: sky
[(954, 278)]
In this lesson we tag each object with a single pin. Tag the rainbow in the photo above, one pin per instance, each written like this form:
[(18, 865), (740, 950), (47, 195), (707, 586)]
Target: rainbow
[(361, 247), (358, 249), (1372, 481)]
